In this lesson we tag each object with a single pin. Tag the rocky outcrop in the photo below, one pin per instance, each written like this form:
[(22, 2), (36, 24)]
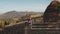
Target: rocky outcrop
[(51, 16), (52, 13)]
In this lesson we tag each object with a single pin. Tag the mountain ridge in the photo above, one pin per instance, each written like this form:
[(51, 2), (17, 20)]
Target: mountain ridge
[(13, 14)]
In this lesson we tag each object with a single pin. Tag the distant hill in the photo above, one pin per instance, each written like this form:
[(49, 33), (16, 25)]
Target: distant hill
[(13, 14)]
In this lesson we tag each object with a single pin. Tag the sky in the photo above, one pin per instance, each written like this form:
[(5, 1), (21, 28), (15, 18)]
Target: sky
[(23, 5)]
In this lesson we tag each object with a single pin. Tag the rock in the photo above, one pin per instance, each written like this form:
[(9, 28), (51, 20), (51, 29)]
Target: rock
[(52, 13), (51, 16)]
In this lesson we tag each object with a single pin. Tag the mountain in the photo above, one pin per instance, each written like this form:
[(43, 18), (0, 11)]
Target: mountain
[(16, 14)]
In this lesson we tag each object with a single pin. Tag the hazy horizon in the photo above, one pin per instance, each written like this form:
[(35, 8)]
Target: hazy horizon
[(23, 5)]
